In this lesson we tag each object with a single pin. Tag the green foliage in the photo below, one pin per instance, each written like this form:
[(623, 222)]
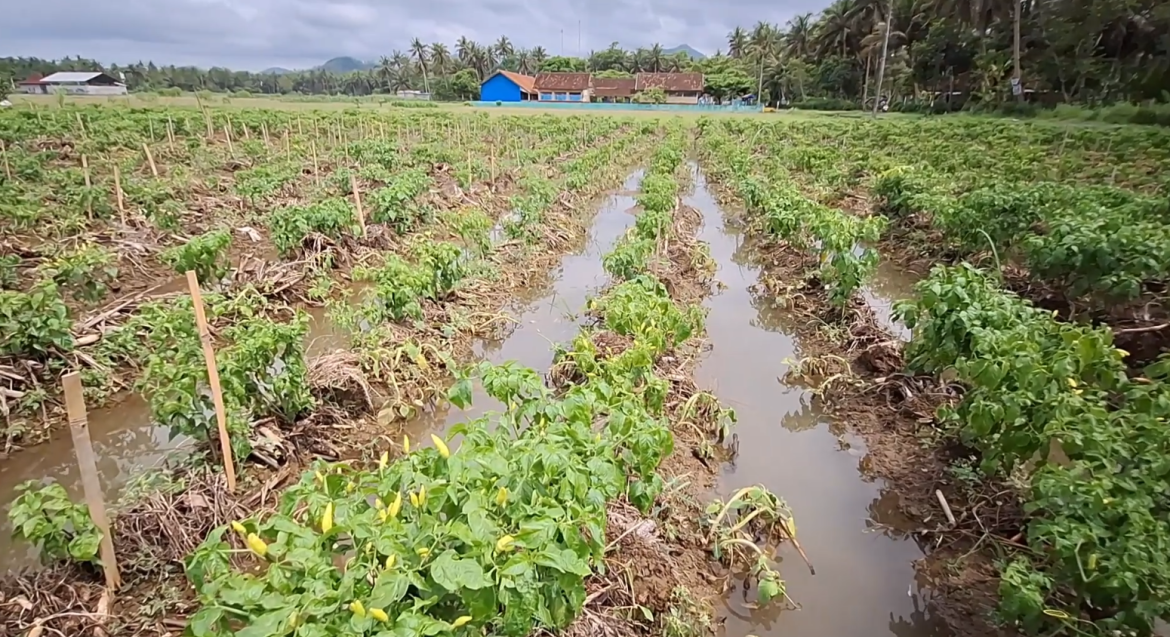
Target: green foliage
[(34, 323), (394, 203), (8, 271), (653, 95), (86, 270), (628, 258), (399, 286), (290, 226), (45, 517), (206, 254)]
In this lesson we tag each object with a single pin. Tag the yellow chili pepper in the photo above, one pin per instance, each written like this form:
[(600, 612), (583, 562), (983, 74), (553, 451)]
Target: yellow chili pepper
[(257, 545), (350, 486), (327, 518), (1093, 562), (357, 608), (378, 503), (379, 614), (384, 459), (441, 446), (422, 496), (406, 444), (414, 499), (292, 619), (502, 496), (239, 528), (390, 561), (382, 513), (1072, 382), (320, 477), (1122, 353), (461, 621), (422, 551), (396, 505), (503, 543)]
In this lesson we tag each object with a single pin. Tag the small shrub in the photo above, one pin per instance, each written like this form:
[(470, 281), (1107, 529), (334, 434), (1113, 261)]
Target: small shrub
[(62, 529), (86, 271), (206, 254), (8, 272), (292, 225), (34, 323)]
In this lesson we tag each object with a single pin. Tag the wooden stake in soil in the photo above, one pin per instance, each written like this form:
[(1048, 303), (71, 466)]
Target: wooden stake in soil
[(150, 160), (264, 133), (80, 124), (170, 133), (313, 148), (300, 128), (227, 131), (357, 201), (4, 155), (118, 192), (225, 446), (286, 148), (247, 136), (88, 184), (87, 465)]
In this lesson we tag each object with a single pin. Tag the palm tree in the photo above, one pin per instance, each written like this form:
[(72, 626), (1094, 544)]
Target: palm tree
[(525, 63), (385, 70), (655, 58), (834, 29), (797, 41), (463, 49), (419, 50), (503, 47), (440, 58), (737, 42), (539, 55)]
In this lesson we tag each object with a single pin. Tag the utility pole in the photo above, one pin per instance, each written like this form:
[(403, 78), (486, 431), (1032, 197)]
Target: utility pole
[(1017, 85), (885, 51)]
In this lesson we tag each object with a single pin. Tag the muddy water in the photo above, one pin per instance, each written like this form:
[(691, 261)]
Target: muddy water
[(865, 583), (555, 316), (125, 442), (888, 285)]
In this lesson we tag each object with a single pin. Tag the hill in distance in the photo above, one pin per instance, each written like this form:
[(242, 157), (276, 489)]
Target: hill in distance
[(685, 48), (345, 65)]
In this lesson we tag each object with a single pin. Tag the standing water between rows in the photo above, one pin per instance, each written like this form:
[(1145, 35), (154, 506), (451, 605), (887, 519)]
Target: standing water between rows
[(865, 583), (127, 443)]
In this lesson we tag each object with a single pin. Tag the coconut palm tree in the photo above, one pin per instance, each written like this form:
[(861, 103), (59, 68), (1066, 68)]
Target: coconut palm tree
[(655, 58), (798, 38), (834, 29), (440, 58), (539, 55), (463, 49), (737, 42), (385, 70), (419, 50), (503, 47), (525, 62)]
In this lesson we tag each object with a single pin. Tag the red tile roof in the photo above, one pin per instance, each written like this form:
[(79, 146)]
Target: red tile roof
[(525, 82), (562, 81), (676, 82), (614, 86)]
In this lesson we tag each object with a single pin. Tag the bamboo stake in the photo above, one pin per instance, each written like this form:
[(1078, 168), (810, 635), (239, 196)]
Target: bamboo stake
[(287, 151), (316, 176), (118, 192), (151, 122), (90, 482), (4, 155), (357, 200), (382, 130), (225, 447), (80, 124), (247, 136), (227, 131), (170, 134), (150, 160), (264, 133), (88, 184), (300, 128)]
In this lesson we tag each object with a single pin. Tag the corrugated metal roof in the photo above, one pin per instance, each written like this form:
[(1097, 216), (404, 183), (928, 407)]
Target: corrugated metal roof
[(562, 81), (614, 86), (72, 76), (671, 81)]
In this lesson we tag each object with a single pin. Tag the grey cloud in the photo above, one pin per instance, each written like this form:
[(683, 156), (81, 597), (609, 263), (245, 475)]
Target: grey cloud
[(254, 34)]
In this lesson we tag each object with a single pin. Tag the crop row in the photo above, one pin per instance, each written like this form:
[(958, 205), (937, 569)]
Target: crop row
[(1097, 510), (1098, 242), (775, 198), (497, 534)]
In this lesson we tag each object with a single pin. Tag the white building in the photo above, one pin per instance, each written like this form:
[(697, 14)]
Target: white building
[(73, 83)]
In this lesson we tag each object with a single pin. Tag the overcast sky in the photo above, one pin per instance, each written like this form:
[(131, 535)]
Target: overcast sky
[(256, 34)]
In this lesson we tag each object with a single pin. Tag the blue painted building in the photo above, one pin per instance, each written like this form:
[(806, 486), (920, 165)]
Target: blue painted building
[(506, 86)]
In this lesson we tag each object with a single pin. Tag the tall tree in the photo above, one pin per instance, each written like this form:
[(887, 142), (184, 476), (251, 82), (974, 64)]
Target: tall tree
[(419, 50)]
